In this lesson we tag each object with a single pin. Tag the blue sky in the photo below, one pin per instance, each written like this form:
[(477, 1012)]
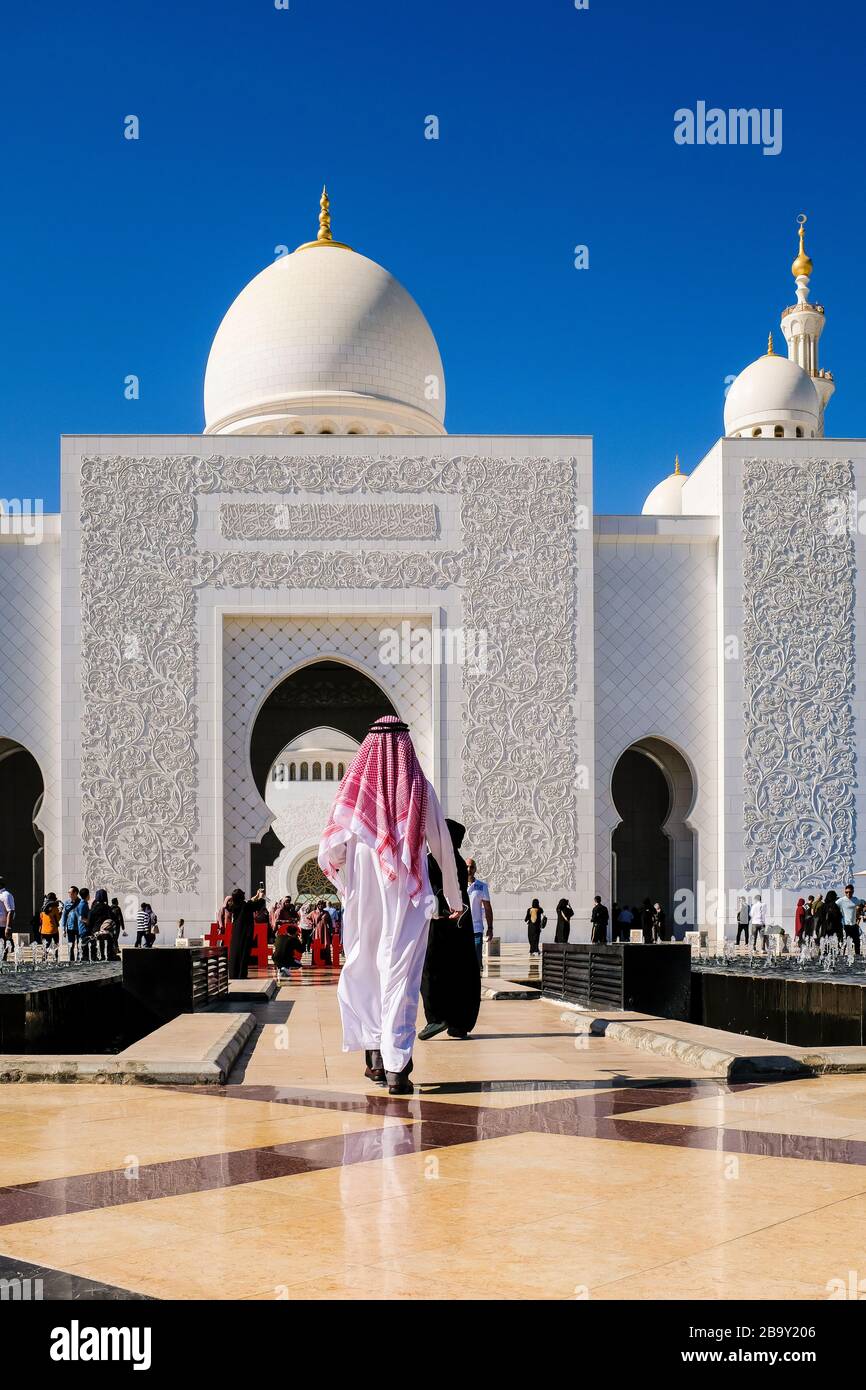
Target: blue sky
[(556, 129)]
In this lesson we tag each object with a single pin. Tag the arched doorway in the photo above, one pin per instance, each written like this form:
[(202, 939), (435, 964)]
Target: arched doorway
[(312, 880), (324, 694), (21, 840), (653, 846)]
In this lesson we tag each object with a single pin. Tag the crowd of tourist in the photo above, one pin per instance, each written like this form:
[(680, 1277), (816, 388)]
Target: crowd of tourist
[(651, 919), (828, 917), (822, 917), (91, 928), (293, 929), (313, 928)]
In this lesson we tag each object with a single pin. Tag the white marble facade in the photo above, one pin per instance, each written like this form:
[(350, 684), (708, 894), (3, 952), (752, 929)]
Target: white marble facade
[(167, 610), (721, 632), (124, 686)]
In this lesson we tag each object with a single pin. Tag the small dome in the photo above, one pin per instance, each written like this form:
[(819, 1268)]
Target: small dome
[(324, 341), (772, 396), (320, 738), (666, 498)]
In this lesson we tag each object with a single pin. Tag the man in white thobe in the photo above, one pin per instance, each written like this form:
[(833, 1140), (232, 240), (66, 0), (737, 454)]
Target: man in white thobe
[(387, 908)]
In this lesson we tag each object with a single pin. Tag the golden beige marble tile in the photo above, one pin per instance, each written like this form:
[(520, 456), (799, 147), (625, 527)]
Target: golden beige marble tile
[(816, 1248), (682, 1281), (530, 1261), (814, 1121), (372, 1283), (769, 1114), (361, 1183), (847, 1105), (191, 1126), (223, 1270)]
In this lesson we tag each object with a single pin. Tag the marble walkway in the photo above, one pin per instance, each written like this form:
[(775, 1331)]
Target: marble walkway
[(531, 1163)]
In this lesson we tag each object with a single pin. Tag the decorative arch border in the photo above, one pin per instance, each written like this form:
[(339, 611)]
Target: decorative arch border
[(677, 815), (671, 743), (247, 816), (700, 818), (44, 818), (326, 655)]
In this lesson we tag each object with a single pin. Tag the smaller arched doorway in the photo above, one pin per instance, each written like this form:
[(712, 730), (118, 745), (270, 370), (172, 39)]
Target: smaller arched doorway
[(21, 840), (653, 846), (301, 786), (292, 747), (311, 882)]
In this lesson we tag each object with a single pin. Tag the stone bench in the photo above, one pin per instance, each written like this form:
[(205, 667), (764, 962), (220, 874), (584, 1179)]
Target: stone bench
[(192, 1050)]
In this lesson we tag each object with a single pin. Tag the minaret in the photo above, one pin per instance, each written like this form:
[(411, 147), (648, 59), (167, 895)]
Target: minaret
[(803, 324)]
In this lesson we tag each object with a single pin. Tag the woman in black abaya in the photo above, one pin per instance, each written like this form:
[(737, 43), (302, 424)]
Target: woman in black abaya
[(242, 914), (451, 983), (564, 914)]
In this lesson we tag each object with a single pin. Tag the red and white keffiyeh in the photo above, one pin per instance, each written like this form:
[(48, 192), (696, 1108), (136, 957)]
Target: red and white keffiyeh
[(382, 801)]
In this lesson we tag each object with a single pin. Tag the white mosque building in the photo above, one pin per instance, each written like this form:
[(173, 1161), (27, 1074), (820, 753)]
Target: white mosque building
[(666, 705)]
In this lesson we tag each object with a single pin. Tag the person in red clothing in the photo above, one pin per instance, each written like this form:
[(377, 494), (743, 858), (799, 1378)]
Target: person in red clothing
[(321, 924), (799, 919)]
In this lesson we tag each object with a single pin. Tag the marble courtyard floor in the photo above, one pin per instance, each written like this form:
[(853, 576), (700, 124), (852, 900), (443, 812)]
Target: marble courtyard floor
[(530, 1164)]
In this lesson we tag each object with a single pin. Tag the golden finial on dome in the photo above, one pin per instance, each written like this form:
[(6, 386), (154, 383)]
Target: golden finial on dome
[(676, 465), (324, 216), (324, 237), (802, 264), (770, 349)]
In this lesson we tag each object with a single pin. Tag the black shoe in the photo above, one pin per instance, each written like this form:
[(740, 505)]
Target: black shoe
[(399, 1083), (431, 1030), (452, 1033), (375, 1069)]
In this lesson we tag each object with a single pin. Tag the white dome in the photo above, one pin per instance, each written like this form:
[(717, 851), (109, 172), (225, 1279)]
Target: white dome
[(666, 498), (772, 393), (324, 341)]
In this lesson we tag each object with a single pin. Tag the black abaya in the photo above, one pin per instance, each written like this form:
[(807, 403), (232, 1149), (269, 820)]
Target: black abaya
[(451, 982), (242, 941), (563, 923)]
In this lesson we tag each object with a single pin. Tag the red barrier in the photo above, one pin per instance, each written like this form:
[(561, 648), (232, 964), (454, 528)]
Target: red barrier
[(216, 936), (259, 951), (321, 953)]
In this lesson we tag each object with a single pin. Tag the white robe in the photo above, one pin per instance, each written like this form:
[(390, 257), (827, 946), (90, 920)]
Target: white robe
[(385, 940)]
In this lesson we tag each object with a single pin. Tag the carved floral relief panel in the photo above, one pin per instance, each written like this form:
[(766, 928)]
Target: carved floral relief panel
[(798, 674)]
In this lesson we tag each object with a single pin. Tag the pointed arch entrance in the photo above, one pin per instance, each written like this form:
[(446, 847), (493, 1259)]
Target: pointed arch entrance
[(322, 694), (21, 841), (653, 848)]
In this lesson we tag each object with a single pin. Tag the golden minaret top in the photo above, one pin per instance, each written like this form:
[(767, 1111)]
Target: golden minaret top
[(324, 237), (802, 264)]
